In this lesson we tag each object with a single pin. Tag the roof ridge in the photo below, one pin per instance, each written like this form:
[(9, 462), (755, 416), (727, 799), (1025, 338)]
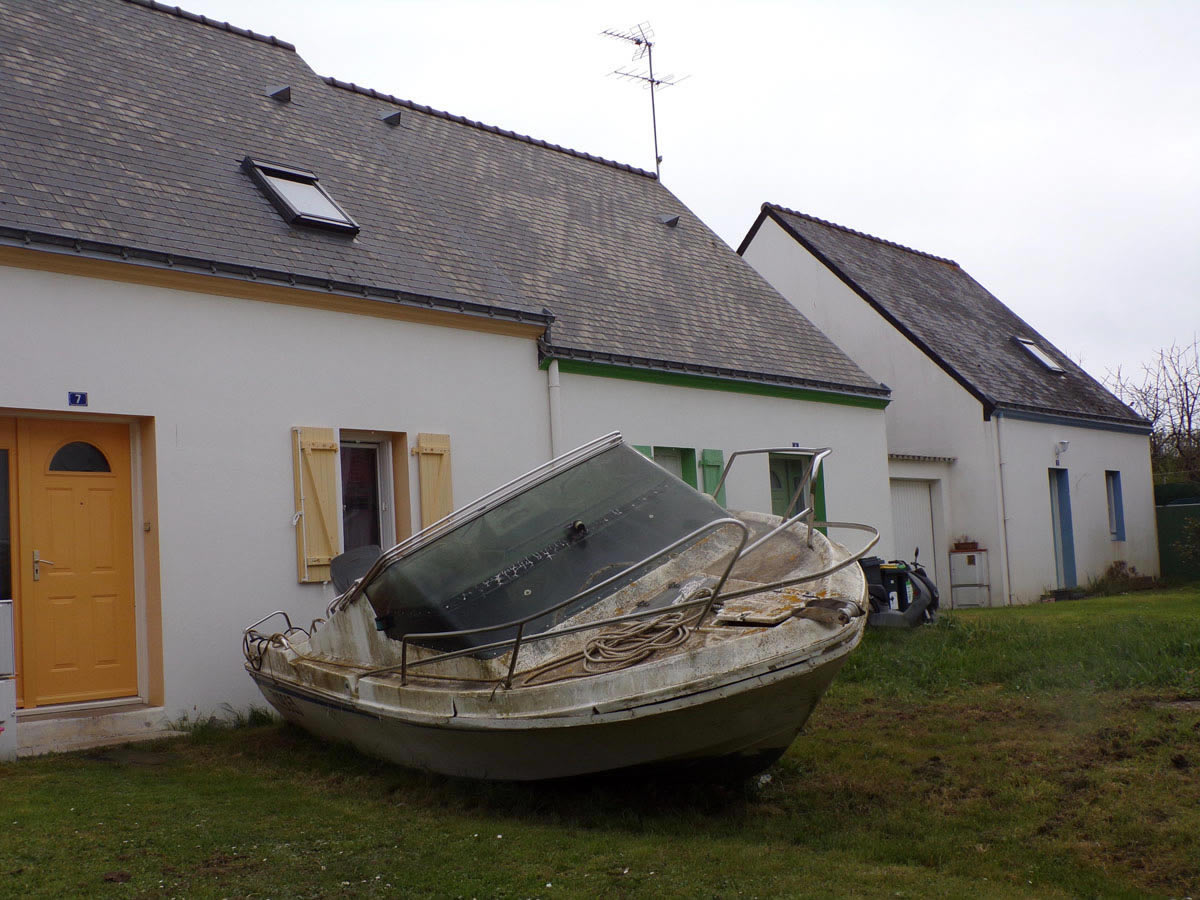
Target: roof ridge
[(213, 23), (792, 212), (482, 126)]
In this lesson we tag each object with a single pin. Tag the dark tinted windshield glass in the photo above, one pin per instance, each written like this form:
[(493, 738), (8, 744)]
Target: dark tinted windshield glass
[(556, 539)]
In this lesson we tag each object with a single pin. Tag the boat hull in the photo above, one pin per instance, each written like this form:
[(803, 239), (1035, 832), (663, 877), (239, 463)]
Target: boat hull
[(740, 725)]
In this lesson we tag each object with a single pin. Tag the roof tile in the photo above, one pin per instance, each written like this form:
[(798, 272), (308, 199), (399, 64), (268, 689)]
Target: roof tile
[(955, 321), (127, 121)]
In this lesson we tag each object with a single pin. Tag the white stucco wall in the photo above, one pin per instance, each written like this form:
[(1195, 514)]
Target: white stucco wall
[(225, 380), (856, 487), (1029, 454), (932, 415)]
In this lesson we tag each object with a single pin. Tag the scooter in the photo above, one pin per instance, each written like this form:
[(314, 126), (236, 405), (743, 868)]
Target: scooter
[(902, 595)]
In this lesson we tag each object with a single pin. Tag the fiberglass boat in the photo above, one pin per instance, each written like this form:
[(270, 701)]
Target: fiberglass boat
[(594, 615)]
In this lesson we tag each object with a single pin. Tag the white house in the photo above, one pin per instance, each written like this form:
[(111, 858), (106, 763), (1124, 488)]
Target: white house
[(251, 317), (994, 435)]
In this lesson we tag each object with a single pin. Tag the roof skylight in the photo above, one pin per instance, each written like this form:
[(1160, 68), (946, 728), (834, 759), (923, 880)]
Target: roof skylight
[(298, 196), (1040, 355)]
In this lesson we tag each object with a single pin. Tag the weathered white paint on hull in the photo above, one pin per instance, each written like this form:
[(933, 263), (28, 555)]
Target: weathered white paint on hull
[(732, 693), (741, 721)]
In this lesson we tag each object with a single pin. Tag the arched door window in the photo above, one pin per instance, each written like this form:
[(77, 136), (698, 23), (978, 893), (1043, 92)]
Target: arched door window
[(79, 456)]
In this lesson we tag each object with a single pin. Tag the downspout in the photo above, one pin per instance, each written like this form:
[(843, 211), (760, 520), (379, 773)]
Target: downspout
[(554, 391), (1003, 504)]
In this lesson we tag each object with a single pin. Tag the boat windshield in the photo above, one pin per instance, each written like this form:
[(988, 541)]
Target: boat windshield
[(565, 534)]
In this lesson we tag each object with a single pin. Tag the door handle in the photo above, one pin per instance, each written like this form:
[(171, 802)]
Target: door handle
[(38, 562)]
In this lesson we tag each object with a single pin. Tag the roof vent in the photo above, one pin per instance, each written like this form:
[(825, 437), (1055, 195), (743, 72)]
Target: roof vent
[(391, 119), (669, 220), (281, 94)]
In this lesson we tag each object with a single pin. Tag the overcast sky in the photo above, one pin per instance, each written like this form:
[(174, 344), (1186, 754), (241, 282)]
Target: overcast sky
[(1052, 149)]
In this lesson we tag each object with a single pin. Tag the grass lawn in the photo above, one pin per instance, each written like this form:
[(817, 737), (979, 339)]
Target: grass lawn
[(1049, 751)]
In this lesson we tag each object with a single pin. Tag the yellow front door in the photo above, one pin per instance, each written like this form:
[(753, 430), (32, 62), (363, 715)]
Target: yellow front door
[(76, 603)]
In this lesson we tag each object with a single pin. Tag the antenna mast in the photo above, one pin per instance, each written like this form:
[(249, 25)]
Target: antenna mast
[(641, 36)]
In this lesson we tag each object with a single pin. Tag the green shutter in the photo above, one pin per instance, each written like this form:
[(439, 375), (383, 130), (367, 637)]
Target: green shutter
[(818, 494), (711, 464), (687, 458), (645, 451)]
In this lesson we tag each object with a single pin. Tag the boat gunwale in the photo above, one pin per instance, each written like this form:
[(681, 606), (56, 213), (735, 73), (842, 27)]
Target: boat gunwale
[(281, 640), (766, 672), (716, 597)]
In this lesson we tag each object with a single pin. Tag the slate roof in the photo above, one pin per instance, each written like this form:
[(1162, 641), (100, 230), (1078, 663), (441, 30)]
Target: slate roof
[(955, 321), (123, 125)]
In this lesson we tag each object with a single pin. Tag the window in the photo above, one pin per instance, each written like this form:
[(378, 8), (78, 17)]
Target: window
[(298, 196), (1116, 507), (79, 456), (682, 463), (364, 485), (352, 490), (787, 472), (1040, 355)]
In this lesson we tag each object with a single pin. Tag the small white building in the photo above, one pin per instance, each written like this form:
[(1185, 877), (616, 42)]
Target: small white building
[(251, 317), (995, 437)]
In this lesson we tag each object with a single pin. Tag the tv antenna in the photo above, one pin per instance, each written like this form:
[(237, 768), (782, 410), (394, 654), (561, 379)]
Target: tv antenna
[(642, 38)]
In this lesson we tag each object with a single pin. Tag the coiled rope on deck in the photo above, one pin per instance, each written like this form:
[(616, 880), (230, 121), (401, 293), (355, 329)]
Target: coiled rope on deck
[(631, 643)]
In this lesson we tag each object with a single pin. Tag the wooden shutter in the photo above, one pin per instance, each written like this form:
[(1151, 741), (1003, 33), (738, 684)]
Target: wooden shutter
[(712, 462), (314, 460), (433, 474)]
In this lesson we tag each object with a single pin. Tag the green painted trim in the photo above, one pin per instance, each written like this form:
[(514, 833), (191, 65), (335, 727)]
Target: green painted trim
[(645, 450), (687, 459), (819, 500), (788, 468), (711, 383), (712, 462)]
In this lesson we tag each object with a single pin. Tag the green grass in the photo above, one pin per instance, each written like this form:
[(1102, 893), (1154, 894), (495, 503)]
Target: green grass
[(1002, 753), (1148, 640)]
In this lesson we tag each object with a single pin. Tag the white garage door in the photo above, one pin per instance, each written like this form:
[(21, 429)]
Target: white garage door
[(912, 519)]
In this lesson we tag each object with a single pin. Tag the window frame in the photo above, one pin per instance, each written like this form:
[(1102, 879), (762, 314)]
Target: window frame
[(813, 495), (259, 170), (385, 484), (1031, 347), (704, 466), (1116, 504)]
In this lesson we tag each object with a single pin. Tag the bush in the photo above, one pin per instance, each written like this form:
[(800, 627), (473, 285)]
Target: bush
[(1118, 578)]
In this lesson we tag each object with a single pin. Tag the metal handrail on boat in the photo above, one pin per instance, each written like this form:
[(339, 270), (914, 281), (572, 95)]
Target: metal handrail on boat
[(814, 457), (708, 602), (249, 636), (813, 576), (520, 624)]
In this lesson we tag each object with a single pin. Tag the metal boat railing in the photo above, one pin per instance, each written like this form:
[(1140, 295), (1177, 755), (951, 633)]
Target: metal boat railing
[(814, 457), (519, 624), (251, 637)]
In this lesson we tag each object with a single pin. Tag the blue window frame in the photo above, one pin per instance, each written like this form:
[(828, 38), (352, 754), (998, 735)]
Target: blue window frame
[(1116, 507)]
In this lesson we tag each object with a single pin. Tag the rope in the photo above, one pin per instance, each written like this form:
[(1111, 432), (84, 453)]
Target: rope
[(634, 642)]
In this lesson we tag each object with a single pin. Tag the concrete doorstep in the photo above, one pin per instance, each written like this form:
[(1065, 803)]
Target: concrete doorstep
[(39, 733)]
